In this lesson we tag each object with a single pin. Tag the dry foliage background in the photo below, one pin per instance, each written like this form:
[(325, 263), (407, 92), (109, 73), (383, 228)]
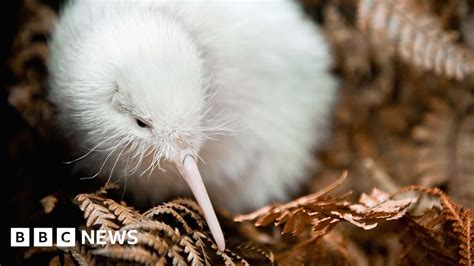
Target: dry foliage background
[(404, 125)]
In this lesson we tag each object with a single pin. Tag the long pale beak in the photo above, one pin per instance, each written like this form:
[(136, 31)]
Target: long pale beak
[(187, 167)]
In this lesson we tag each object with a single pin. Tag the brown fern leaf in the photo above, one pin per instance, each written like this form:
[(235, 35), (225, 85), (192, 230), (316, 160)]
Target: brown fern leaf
[(462, 225), (162, 262), (421, 240), (173, 247), (462, 181), (194, 255), (199, 240), (106, 187), (230, 258), (422, 245), (336, 249), (151, 225), (62, 260), (32, 251), (174, 233), (188, 203), (27, 45), (41, 20), (294, 204), (159, 244), (452, 223), (255, 254), (168, 209), (38, 51), (124, 214), (126, 253), (379, 205), (466, 250), (49, 202), (28, 64), (417, 38), (71, 255), (306, 252), (435, 135), (187, 211), (444, 149), (81, 256), (321, 212), (174, 253), (96, 214)]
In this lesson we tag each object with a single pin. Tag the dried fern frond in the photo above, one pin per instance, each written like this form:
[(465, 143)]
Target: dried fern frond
[(169, 209), (462, 182), (467, 245), (152, 225), (418, 38), (31, 252), (124, 214), (49, 202), (70, 255), (81, 256), (339, 250), (189, 204), (172, 233), (438, 227), (159, 244), (444, 139), (461, 222), (435, 134), (106, 187), (194, 254), (421, 243), (252, 252), (321, 212), (28, 65), (62, 260), (128, 254), (432, 228), (231, 259), (330, 249), (302, 253), (41, 20), (95, 213)]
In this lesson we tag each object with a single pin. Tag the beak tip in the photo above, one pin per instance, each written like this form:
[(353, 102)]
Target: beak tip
[(220, 244), (187, 167), (219, 239)]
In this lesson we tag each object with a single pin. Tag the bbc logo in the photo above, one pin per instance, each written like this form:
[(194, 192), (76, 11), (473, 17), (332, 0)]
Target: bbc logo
[(42, 237), (66, 237)]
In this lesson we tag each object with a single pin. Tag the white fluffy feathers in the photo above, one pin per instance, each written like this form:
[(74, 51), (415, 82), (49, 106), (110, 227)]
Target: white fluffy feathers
[(244, 85)]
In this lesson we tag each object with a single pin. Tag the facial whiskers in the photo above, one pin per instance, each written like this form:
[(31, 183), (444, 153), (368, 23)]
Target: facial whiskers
[(141, 154), (89, 152), (103, 164), (116, 160), (151, 164)]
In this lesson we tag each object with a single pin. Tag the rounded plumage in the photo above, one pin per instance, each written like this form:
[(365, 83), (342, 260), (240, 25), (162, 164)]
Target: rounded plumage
[(147, 91)]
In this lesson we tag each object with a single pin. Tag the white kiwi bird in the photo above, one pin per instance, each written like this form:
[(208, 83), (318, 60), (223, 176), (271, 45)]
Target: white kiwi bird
[(234, 95)]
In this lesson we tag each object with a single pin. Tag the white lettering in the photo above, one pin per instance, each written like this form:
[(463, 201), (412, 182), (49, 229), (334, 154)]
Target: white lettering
[(132, 237), (101, 236), (66, 237), (86, 236), (117, 236)]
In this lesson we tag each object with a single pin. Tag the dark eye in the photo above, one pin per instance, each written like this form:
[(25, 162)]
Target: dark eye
[(140, 123)]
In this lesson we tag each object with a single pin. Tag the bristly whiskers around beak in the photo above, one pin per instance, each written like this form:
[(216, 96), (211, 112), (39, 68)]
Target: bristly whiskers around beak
[(187, 167)]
